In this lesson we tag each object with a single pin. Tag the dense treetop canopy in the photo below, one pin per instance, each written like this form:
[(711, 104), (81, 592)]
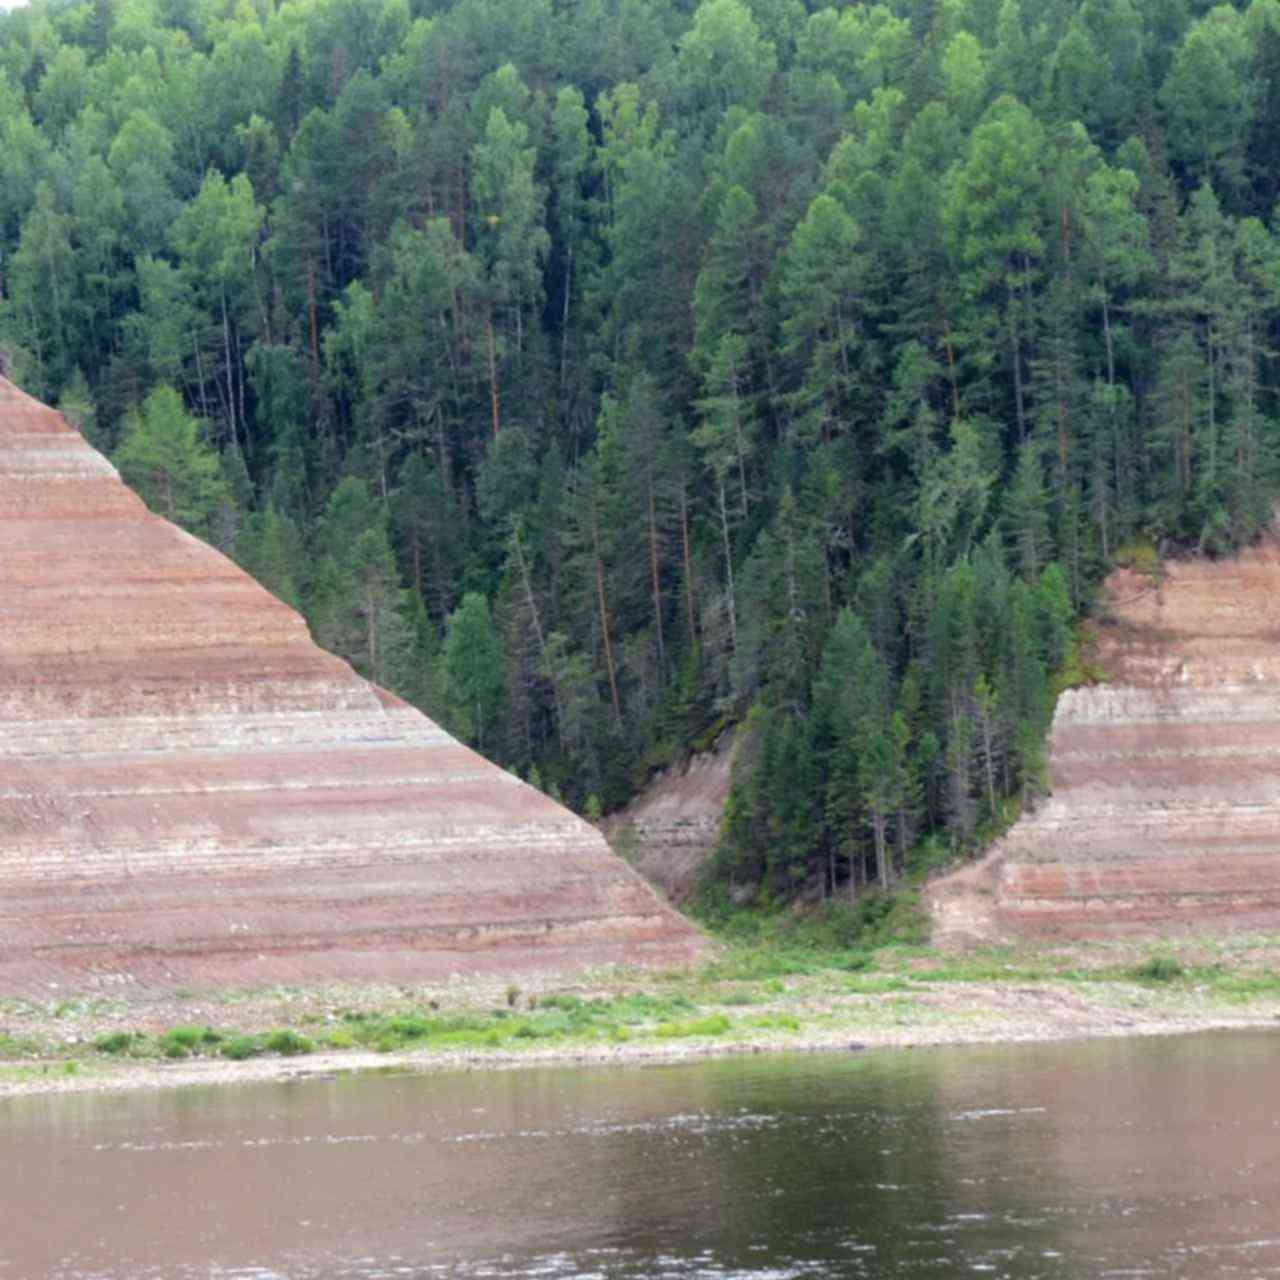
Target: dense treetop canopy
[(597, 373)]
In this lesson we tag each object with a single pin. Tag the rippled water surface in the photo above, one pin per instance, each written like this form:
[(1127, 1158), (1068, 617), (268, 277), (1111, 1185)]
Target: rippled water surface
[(1120, 1158)]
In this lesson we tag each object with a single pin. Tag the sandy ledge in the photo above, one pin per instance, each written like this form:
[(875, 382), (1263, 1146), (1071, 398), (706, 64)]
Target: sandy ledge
[(921, 1003)]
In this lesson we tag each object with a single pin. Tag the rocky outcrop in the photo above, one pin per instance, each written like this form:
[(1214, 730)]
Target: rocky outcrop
[(192, 793), (1165, 805), (670, 829)]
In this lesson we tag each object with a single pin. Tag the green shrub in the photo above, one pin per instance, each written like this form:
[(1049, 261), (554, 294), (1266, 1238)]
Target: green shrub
[(1141, 557), (188, 1038), (115, 1042), (288, 1043), (240, 1047), (1159, 969), (409, 1028)]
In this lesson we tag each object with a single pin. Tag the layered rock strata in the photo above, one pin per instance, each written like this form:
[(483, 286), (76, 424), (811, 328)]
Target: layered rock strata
[(191, 792), (671, 828), (1165, 805)]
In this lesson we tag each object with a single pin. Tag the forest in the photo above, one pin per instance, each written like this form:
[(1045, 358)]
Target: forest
[(602, 374)]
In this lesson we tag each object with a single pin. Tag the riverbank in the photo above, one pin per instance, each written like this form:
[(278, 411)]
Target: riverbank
[(755, 1001)]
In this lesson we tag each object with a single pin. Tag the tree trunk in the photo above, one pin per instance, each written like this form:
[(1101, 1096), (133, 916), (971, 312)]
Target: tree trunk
[(493, 371), (882, 854), (1016, 351), (688, 564), (728, 566), (226, 355), (655, 576), (604, 618)]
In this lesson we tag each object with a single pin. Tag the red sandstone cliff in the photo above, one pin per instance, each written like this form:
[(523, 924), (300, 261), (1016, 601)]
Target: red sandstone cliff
[(192, 793), (1165, 805)]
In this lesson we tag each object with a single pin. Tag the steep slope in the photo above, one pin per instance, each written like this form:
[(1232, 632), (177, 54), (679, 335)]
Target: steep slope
[(1165, 811), (670, 829), (192, 793)]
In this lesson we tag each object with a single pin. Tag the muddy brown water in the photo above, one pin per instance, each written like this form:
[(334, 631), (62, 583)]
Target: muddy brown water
[(1152, 1157)]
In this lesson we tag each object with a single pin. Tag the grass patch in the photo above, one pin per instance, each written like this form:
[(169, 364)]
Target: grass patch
[(876, 985), (715, 1024), (559, 1016), (979, 970), (19, 1047), (776, 1022), (1243, 987)]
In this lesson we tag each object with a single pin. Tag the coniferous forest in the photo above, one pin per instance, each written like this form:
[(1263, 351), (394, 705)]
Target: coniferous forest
[(597, 374)]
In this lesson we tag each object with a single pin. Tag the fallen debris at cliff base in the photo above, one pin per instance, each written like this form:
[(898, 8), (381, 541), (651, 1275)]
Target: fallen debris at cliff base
[(791, 1002)]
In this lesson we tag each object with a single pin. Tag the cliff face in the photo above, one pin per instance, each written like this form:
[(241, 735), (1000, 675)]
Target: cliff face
[(192, 793), (670, 829), (1165, 805)]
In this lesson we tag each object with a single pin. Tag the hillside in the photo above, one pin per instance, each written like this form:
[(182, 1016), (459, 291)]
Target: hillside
[(193, 794), (1164, 812), (592, 374)]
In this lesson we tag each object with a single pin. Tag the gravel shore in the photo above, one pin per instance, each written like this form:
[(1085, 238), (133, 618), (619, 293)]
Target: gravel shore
[(908, 1000)]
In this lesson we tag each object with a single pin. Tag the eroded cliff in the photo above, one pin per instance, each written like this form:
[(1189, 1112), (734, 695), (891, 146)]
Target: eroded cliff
[(671, 828), (192, 793), (1165, 805)]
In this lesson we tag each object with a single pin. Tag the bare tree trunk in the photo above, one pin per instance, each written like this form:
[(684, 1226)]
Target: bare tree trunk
[(882, 853), (313, 318), (231, 373), (655, 576), (493, 371), (688, 563), (604, 618), (1016, 351), (728, 566)]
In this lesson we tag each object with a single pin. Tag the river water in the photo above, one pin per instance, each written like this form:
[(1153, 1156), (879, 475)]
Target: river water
[(1154, 1157)]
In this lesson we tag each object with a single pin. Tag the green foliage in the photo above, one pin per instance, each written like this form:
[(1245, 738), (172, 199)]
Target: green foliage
[(287, 1043), (238, 1048), (472, 669), (114, 1042), (165, 459), (1159, 969), (183, 1042), (715, 1024), (1141, 557)]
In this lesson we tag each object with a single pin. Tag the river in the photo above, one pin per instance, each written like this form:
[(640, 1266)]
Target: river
[(1121, 1158)]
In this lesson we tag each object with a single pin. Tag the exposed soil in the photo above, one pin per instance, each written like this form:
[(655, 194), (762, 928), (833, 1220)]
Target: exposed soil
[(670, 829)]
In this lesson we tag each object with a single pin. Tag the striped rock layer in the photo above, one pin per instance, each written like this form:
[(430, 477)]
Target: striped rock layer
[(191, 792), (671, 828), (1165, 806)]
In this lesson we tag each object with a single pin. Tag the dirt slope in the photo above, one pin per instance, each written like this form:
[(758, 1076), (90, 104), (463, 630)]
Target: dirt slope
[(192, 793), (669, 830)]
